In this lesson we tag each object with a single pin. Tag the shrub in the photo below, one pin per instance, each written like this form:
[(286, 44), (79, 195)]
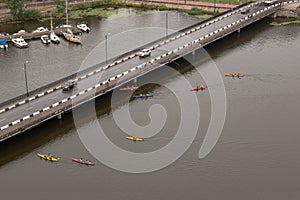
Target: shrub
[(195, 11), (32, 14)]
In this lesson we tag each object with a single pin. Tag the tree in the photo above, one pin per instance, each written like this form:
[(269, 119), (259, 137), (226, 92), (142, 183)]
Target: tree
[(16, 7)]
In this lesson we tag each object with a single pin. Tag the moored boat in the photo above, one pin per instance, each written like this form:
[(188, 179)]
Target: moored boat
[(3, 44), (19, 42), (54, 38), (134, 138), (45, 39), (71, 37), (86, 162), (48, 157), (83, 27)]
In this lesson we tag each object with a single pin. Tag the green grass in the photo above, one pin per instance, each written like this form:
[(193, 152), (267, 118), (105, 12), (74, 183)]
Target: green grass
[(235, 2), (106, 8), (296, 21)]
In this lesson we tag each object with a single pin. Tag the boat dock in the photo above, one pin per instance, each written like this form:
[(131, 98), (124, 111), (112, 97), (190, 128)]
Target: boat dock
[(37, 35)]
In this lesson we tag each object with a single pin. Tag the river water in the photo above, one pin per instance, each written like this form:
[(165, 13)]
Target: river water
[(256, 156)]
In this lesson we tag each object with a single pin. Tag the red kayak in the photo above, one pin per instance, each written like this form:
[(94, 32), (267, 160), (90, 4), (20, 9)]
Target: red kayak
[(198, 88), (83, 162)]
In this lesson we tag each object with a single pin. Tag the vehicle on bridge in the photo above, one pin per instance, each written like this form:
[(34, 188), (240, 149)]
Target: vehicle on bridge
[(245, 10), (69, 85), (270, 2), (144, 53)]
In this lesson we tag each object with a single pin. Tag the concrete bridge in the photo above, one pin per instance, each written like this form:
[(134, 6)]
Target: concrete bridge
[(22, 113)]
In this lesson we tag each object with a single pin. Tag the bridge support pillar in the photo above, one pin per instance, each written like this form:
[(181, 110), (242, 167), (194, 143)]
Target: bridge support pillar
[(59, 116), (194, 52), (135, 80)]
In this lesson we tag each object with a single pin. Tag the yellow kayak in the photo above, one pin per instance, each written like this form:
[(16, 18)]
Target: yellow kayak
[(134, 138), (46, 157)]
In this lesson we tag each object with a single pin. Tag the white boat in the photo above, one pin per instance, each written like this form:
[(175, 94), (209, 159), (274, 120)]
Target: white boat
[(63, 26), (40, 29), (20, 32), (53, 37), (3, 44), (45, 39), (83, 27), (19, 42)]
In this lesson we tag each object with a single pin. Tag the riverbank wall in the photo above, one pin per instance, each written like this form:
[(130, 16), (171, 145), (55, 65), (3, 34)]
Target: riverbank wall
[(289, 11)]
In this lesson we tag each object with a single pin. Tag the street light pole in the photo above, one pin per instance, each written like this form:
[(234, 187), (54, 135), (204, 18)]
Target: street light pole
[(167, 24), (25, 72), (106, 48), (214, 7)]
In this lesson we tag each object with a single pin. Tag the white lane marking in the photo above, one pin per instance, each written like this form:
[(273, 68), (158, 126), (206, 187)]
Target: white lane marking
[(1, 120)]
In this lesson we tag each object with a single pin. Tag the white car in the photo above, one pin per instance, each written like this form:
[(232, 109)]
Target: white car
[(270, 2), (144, 53), (40, 29)]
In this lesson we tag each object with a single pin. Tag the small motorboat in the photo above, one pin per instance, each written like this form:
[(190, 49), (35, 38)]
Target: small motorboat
[(3, 44), (142, 96), (198, 88), (45, 39), (54, 38), (86, 162), (40, 29), (63, 26), (71, 37), (233, 75), (48, 157), (20, 32), (19, 42), (83, 27), (134, 138), (129, 88)]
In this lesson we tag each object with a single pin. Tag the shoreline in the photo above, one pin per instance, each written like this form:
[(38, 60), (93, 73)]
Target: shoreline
[(190, 7)]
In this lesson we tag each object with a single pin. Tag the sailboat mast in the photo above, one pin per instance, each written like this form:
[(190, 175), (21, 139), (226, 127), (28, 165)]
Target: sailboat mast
[(51, 23), (67, 20)]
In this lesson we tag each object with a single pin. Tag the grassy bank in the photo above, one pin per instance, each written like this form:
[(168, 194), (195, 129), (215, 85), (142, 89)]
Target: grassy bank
[(286, 22), (234, 2), (106, 8)]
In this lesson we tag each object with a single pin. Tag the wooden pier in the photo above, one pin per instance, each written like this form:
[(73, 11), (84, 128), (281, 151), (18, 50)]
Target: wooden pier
[(32, 36)]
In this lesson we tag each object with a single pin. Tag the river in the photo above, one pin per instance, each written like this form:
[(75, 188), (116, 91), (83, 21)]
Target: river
[(256, 156)]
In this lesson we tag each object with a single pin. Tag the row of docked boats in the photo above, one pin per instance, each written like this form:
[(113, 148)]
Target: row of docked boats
[(46, 39)]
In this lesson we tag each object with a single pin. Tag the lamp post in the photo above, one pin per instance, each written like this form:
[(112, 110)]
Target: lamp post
[(106, 48), (25, 72), (167, 24), (214, 7)]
